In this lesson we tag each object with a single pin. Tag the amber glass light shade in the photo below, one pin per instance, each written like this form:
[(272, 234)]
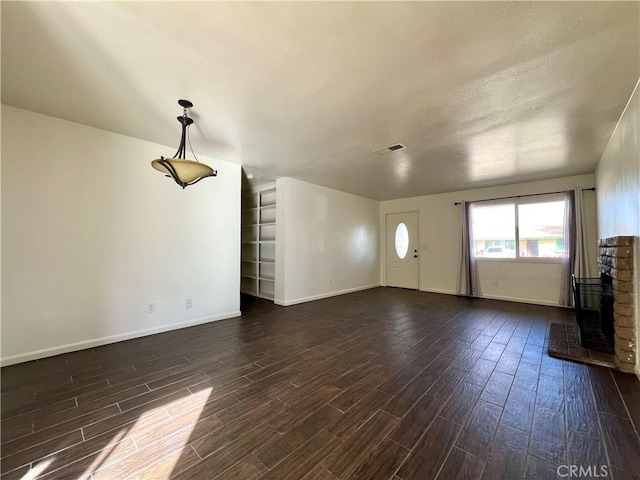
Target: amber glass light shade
[(184, 172)]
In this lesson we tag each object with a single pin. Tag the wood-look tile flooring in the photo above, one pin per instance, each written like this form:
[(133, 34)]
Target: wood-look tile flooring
[(380, 384)]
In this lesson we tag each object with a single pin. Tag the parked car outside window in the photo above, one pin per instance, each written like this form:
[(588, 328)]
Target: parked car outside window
[(497, 252)]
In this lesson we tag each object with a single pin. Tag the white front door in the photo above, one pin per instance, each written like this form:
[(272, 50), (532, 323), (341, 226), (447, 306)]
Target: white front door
[(402, 250)]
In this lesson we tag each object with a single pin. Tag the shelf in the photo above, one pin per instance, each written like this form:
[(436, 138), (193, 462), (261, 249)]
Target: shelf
[(258, 222), (249, 285), (266, 287), (267, 198)]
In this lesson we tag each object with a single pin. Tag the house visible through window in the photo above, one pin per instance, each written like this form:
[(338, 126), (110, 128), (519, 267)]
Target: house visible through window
[(519, 228)]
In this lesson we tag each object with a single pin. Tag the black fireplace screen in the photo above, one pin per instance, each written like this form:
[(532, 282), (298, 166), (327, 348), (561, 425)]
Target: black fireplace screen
[(593, 299)]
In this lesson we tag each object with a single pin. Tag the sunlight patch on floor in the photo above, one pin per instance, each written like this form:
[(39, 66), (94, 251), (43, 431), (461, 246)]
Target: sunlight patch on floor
[(38, 469), (105, 454), (160, 443)]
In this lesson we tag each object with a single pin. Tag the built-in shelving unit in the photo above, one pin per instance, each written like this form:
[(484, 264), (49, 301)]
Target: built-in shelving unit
[(258, 269)]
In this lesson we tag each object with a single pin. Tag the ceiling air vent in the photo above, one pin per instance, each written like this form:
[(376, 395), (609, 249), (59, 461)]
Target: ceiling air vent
[(392, 148)]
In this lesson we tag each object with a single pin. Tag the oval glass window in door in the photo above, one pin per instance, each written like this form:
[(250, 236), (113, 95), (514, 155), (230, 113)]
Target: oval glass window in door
[(402, 240)]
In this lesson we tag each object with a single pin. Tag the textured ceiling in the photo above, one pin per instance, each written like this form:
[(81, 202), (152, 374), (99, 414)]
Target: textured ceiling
[(481, 93)]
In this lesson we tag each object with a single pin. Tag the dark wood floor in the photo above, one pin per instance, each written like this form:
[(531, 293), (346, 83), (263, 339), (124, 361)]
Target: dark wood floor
[(381, 384)]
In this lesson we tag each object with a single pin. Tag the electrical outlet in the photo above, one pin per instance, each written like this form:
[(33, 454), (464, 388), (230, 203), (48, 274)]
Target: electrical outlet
[(495, 283), (188, 302), (329, 281), (151, 307)]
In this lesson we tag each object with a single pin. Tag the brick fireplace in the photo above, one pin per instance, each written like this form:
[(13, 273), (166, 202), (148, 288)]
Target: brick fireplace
[(615, 258)]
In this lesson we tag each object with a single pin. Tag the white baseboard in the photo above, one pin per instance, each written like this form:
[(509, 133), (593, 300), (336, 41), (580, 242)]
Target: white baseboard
[(323, 295), (438, 290), (429, 290), (530, 301), (72, 347), (546, 303)]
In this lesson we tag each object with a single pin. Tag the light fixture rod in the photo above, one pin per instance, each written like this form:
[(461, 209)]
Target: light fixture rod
[(185, 121), (172, 171)]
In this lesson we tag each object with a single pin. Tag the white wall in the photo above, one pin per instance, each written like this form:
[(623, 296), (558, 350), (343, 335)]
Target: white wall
[(91, 234), (440, 223), (618, 184), (327, 242)]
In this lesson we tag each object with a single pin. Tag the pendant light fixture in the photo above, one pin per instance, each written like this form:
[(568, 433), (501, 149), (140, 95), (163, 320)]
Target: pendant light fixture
[(184, 172)]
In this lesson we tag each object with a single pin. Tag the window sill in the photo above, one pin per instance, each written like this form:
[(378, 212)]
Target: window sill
[(553, 261)]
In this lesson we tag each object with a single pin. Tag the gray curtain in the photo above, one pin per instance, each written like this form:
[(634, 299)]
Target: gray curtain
[(576, 253), (468, 279), (581, 268), (570, 248)]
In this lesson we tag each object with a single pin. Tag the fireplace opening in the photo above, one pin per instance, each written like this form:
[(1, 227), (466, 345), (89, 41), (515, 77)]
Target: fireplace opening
[(593, 300)]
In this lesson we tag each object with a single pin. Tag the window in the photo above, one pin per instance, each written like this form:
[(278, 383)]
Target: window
[(521, 228), (402, 240), (494, 230), (541, 229)]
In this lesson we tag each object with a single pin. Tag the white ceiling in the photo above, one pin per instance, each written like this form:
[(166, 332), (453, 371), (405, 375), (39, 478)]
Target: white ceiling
[(480, 93)]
